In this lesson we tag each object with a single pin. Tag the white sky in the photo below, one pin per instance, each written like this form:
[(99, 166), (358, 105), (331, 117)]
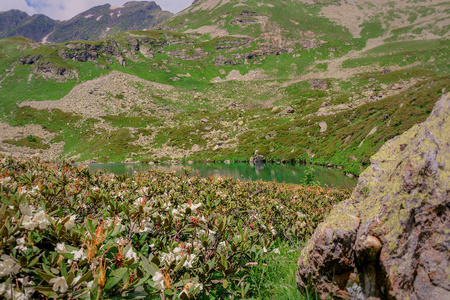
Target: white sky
[(66, 9)]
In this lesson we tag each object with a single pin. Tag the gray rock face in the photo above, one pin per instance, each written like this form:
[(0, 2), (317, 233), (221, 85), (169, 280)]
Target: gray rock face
[(391, 239)]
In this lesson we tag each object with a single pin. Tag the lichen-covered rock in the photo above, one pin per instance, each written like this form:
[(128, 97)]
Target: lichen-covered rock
[(392, 237)]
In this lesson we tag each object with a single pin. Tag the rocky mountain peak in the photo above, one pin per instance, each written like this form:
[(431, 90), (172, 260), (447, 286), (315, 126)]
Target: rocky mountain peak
[(93, 24)]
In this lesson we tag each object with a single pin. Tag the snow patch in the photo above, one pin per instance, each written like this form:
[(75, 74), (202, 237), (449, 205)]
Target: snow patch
[(44, 39), (99, 17), (88, 16)]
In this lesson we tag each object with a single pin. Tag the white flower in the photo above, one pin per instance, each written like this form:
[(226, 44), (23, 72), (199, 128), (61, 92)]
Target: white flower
[(264, 250), (191, 287), (131, 254), (300, 215), (189, 261), (20, 296), (146, 226), (70, 223), (77, 255), (158, 279), (8, 265), (176, 212), (21, 245), (26, 210), (276, 251), (59, 283), (193, 207), (169, 258), (89, 284), (61, 248), (139, 202), (143, 190), (22, 191), (5, 181), (42, 219), (34, 191), (2, 288), (28, 223)]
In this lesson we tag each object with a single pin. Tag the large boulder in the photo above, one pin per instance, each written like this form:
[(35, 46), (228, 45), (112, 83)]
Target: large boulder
[(391, 239)]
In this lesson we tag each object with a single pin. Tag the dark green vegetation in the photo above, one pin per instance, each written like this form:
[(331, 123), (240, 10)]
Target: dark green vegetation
[(76, 233), (30, 142), (222, 81)]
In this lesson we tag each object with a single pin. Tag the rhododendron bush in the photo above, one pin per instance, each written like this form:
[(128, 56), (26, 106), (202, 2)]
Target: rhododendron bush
[(67, 232)]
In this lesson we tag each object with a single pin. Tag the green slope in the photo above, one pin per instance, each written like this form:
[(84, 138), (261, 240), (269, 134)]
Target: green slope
[(217, 84)]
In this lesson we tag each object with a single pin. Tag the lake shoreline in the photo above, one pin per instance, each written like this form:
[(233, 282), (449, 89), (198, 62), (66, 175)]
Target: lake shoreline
[(282, 172)]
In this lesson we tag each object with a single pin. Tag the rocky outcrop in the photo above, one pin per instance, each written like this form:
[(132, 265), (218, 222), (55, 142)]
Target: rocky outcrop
[(391, 239)]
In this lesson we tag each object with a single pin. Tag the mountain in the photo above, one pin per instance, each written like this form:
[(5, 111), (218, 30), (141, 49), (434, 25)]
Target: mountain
[(325, 82), (93, 24), (101, 21), (19, 23)]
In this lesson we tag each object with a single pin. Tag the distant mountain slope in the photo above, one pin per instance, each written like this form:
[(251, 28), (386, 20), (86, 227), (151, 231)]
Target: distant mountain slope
[(18, 23), (93, 24), (100, 21)]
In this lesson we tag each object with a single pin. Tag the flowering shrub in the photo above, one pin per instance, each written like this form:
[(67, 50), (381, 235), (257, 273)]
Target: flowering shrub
[(66, 232)]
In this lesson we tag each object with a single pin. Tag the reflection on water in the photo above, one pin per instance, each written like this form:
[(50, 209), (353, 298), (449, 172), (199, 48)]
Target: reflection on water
[(288, 173)]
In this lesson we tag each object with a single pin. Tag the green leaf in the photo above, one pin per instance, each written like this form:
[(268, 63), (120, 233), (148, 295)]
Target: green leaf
[(35, 260), (180, 264), (83, 278), (63, 268), (115, 277), (135, 295), (149, 266), (115, 232), (225, 283), (90, 226), (45, 276), (94, 290), (23, 261), (47, 291), (69, 279)]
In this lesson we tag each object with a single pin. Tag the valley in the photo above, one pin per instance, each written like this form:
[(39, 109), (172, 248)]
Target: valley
[(292, 81), (113, 123)]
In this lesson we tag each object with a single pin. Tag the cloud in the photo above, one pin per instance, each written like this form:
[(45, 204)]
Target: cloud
[(16, 4), (174, 5), (66, 9)]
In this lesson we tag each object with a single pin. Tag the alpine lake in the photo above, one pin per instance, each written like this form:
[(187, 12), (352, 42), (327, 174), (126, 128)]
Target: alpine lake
[(287, 173)]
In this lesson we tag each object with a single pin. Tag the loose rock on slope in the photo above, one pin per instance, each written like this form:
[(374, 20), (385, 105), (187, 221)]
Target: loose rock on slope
[(391, 239)]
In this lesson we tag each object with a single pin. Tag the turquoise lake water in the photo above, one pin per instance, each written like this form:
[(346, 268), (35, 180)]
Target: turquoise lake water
[(289, 173)]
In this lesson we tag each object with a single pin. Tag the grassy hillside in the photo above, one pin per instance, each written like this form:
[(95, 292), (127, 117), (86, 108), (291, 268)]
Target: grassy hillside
[(294, 81)]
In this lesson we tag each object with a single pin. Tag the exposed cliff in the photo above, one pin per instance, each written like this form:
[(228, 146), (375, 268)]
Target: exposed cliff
[(391, 240)]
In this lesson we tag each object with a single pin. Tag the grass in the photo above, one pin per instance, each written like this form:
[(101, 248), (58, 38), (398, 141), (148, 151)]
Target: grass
[(29, 142)]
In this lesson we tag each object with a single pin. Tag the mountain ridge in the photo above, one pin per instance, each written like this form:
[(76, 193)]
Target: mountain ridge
[(93, 24)]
